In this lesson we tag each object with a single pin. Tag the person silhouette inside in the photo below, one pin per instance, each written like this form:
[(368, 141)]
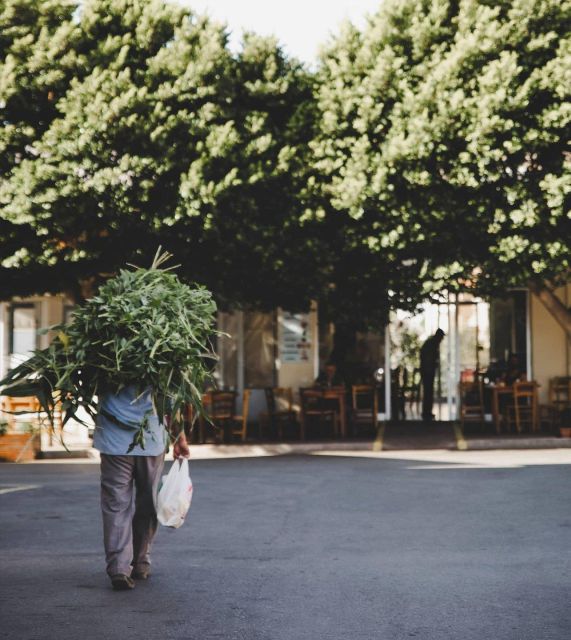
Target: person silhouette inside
[(429, 361), (329, 377)]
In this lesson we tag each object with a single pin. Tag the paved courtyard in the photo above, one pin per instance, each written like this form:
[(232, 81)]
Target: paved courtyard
[(432, 545)]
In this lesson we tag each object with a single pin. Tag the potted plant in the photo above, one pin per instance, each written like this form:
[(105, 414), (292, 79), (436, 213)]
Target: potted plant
[(19, 445)]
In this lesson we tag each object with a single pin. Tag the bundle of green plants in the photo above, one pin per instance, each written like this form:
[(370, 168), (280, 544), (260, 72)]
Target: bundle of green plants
[(144, 327)]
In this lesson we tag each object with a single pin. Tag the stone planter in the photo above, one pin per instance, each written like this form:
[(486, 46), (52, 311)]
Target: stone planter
[(19, 447)]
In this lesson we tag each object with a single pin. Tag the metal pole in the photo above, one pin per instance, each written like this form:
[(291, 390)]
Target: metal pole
[(387, 371), (451, 390), (529, 356), (314, 323), (456, 340)]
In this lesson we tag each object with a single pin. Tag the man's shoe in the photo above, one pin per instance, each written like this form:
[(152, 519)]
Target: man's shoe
[(122, 582), (140, 574)]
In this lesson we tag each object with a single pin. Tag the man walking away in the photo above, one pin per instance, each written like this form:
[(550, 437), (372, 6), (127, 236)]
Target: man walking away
[(429, 361), (129, 482)]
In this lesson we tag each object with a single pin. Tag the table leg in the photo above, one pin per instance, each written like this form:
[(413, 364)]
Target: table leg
[(496, 410)]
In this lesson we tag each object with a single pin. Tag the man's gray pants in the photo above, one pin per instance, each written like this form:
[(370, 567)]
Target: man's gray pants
[(129, 487)]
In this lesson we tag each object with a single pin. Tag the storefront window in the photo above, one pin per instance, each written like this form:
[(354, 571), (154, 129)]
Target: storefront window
[(508, 328), (249, 350), (23, 332), (259, 349), (227, 349)]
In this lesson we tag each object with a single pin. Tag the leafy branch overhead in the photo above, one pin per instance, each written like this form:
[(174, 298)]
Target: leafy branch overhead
[(428, 152)]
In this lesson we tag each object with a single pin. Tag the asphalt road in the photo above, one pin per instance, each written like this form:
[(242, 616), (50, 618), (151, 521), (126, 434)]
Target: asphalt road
[(301, 548)]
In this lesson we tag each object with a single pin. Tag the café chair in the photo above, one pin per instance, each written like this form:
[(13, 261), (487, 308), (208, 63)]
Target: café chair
[(280, 408), (222, 411), (201, 419), (524, 410), (559, 399), (364, 407), (13, 405), (314, 407), (471, 398), (239, 426), (560, 392)]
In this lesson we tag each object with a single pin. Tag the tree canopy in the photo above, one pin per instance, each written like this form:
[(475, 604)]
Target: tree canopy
[(445, 134), (428, 152), (156, 135)]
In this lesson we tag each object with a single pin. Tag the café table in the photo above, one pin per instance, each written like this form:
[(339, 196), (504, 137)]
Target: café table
[(499, 390), (338, 394)]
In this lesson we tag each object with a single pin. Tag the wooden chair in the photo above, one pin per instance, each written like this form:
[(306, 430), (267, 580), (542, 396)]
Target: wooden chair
[(14, 405), (222, 411), (192, 420), (280, 408), (365, 406), (471, 396), (559, 399), (239, 427), (524, 410), (560, 392), (314, 407)]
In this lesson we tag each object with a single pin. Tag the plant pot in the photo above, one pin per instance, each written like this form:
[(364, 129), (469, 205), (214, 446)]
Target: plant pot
[(19, 447), (565, 432)]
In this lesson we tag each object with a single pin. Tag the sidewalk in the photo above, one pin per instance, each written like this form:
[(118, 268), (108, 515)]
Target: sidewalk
[(392, 437)]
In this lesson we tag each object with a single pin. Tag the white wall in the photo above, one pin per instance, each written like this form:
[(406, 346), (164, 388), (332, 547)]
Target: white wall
[(551, 351)]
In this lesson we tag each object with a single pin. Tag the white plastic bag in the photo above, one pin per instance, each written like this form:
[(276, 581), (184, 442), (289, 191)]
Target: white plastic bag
[(175, 495)]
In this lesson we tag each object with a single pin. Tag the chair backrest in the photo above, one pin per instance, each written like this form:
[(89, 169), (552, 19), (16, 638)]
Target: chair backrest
[(310, 398), (246, 405), (223, 404), (13, 405), (560, 392), (25, 403), (525, 392), (471, 393), (283, 398), (279, 399), (362, 396)]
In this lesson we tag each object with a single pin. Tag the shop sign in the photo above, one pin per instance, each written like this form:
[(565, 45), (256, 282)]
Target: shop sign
[(295, 337)]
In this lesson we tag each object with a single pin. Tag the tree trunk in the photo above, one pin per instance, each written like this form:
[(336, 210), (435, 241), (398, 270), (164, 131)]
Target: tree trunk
[(554, 305)]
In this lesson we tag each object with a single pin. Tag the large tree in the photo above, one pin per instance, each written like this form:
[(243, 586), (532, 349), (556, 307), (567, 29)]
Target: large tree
[(161, 135), (445, 133), (37, 63), (437, 162)]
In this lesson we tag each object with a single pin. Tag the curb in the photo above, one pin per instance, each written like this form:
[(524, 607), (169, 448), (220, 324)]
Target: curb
[(221, 451), (487, 444)]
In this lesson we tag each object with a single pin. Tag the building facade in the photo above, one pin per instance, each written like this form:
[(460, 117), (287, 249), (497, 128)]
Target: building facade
[(284, 349)]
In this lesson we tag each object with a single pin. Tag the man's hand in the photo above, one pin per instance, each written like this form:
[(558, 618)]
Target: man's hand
[(181, 449)]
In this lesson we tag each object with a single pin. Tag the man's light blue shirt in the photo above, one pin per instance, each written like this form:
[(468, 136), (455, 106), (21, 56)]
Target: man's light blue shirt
[(129, 408)]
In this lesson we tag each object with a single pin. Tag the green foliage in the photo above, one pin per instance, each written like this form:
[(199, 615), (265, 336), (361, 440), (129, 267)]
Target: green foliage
[(162, 135), (445, 134), (429, 152), (143, 327)]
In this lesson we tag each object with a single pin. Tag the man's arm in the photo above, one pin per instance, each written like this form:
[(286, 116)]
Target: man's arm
[(180, 447)]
